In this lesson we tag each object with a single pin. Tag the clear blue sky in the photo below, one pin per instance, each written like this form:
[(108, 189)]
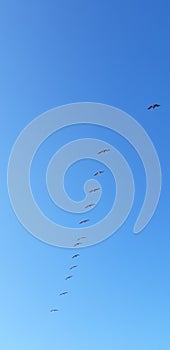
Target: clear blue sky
[(112, 52)]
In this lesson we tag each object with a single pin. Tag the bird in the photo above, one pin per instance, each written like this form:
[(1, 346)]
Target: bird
[(83, 237), (68, 277), (99, 172), (84, 221), (103, 151), (76, 244), (75, 256), (63, 293), (73, 267), (94, 189), (90, 205), (54, 310), (154, 106)]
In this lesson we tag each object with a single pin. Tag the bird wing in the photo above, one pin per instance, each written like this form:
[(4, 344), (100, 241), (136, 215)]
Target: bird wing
[(83, 221), (89, 205), (73, 267), (150, 107), (75, 256), (54, 310)]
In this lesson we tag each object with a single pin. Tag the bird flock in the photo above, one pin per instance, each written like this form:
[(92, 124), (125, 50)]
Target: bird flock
[(69, 276), (79, 239)]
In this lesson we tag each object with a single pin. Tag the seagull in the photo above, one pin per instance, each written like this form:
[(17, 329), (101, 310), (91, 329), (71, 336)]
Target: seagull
[(54, 310), (153, 106), (75, 256), (84, 221), (63, 293), (94, 189), (73, 267), (103, 151), (68, 277), (99, 172), (76, 244), (90, 205)]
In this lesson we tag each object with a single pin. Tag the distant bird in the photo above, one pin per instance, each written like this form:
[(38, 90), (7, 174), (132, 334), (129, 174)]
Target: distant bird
[(99, 172), (153, 106), (94, 189), (90, 205), (63, 293), (54, 310), (84, 221), (73, 267), (75, 256), (103, 151), (76, 244), (83, 237), (68, 277)]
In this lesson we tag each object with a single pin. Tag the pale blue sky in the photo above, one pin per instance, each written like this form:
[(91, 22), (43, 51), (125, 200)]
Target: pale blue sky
[(112, 52)]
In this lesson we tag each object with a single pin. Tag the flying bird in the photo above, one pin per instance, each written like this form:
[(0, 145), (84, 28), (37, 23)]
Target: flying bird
[(90, 205), (83, 237), (76, 244), (84, 221), (103, 151), (68, 277), (75, 256), (54, 310), (73, 267), (153, 106), (99, 172), (94, 189), (63, 293)]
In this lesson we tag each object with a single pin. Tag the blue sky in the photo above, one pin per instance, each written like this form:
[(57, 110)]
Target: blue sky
[(111, 52)]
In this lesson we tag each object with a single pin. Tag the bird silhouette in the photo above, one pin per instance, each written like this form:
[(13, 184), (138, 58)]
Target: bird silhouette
[(84, 221), (154, 106), (90, 205), (94, 189), (103, 151), (99, 172), (76, 244), (79, 238), (75, 256), (63, 293), (73, 267), (68, 277), (54, 310)]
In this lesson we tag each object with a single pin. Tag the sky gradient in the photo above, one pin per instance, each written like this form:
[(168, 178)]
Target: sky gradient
[(59, 52)]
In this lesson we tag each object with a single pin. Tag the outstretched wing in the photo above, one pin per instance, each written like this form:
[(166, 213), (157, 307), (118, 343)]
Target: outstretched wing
[(83, 221), (76, 244), (73, 267), (79, 238), (75, 256), (68, 277), (54, 310), (89, 205), (63, 293)]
